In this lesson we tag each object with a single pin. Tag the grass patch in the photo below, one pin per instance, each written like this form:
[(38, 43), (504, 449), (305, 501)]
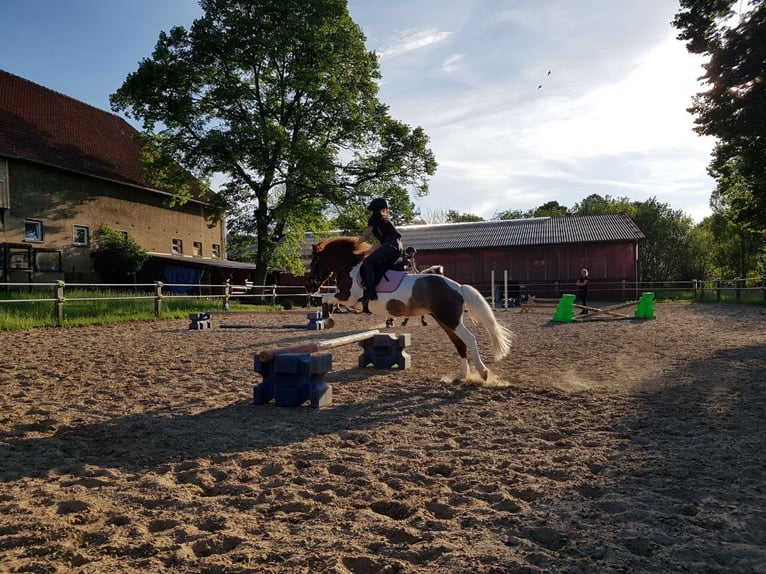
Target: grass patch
[(25, 310)]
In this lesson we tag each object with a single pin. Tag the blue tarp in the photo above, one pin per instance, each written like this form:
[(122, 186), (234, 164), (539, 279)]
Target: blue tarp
[(186, 275)]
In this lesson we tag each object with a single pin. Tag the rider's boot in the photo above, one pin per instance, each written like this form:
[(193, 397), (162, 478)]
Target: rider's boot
[(368, 278)]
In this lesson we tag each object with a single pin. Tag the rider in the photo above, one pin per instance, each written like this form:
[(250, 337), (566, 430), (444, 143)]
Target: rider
[(377, 262), (407, 262)]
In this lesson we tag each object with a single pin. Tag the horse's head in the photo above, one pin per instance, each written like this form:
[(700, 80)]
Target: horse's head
[(319, 271), (333, 256)]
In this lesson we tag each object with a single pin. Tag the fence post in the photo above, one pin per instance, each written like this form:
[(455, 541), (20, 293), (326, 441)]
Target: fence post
[(738, 282), (718, 290), (226, 294), (158, 299), (273, 295), (624, 290), (59, 304)]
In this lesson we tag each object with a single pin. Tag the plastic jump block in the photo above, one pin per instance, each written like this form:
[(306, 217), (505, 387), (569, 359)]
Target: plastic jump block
[(564, 311), (315, 321), (199, 321), (385, 350), (645, 307), (292, 379)]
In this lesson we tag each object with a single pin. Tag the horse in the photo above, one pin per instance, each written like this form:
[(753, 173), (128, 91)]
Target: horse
[(417, 294), (432, 269)]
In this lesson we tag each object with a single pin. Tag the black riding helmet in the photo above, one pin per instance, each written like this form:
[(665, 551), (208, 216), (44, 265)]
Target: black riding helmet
[(377, 204), (411, 250)]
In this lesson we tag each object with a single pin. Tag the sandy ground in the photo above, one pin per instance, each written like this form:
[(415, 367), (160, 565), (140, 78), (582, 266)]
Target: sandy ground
[(607, 446)]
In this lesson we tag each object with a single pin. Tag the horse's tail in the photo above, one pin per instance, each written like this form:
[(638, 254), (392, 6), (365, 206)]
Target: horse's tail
[(478, 306)]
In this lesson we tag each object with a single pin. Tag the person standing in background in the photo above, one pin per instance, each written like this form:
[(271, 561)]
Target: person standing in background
[(582, 284)]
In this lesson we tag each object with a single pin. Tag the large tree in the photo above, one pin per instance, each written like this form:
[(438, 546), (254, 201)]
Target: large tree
[(280, 97), (731, 34)]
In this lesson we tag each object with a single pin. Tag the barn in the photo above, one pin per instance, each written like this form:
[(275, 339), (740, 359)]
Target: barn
[(541, 255)]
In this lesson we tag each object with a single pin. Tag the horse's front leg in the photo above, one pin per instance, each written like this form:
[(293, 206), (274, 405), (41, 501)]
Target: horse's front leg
[(328, 302)]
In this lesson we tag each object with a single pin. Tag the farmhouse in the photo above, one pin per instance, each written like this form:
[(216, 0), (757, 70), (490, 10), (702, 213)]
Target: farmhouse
[(541, 255), (67, 169)]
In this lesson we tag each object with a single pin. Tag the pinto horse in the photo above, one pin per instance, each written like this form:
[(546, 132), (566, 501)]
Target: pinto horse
[(417, 294)]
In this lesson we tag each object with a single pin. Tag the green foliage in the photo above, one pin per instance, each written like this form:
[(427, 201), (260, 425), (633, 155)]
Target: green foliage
[(116, 257), (455, 217), (551, 209), (280, 97), (733, 109), (597, 205), (670, 252), (735, 251), (513, 214)]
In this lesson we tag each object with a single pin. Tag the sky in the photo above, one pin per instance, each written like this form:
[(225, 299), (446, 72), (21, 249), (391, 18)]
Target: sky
[(524, 101)]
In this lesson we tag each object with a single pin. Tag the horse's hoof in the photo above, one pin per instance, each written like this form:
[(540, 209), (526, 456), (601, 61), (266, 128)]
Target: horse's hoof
[(329, 322), (485, 374)]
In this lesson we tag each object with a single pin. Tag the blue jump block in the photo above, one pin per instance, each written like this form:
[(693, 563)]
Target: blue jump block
[(315, 323), (199, 321), (291, 379), (385, 350)]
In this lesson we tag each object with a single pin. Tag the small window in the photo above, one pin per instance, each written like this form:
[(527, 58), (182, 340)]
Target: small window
[(33, 230), (215, 251), (124, 235), (178, 247), (197, 249), (81, 236)]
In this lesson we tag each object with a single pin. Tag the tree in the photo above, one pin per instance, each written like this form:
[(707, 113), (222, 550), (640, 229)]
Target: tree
[(597, 205), (671, 251), (733, 109), (512, 214), (551, 209), (735, 251), (116, 257), (456, 217), (280, 97)]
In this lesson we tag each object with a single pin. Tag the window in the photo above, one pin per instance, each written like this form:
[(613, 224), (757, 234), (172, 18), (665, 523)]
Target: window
[(33, 230), (178, 247), (197, 249), (216, 251), (81, 236)]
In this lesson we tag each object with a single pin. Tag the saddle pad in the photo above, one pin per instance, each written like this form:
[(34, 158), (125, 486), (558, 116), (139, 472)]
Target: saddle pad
[(389, 283)]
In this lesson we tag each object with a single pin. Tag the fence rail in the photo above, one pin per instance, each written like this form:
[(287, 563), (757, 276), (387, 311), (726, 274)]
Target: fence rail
[(501, 295), (741, 290)]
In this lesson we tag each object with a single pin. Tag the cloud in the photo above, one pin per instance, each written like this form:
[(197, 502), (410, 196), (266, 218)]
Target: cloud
[(452, 64), (409, 41)]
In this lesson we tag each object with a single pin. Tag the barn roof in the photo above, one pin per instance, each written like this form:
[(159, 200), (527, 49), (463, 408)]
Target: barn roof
[(43, 126), (522, 232)]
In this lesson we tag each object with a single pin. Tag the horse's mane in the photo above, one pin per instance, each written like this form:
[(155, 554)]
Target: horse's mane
[(343, 243)]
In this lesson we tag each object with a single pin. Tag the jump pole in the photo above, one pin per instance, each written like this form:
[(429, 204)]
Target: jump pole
[(607, 311), (319, 346)]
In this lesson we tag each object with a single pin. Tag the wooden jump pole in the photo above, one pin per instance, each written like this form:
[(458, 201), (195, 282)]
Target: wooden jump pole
[(318, 346), (607, 311)]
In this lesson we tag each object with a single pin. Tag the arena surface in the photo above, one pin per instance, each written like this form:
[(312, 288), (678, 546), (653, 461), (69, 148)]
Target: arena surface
[(607, 446)]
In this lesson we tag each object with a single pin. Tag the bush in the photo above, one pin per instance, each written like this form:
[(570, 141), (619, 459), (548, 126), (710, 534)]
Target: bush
[(116, 256)]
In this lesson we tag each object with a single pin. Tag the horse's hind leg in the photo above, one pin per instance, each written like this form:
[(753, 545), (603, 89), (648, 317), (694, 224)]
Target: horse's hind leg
[(469, 340), (462, 350)]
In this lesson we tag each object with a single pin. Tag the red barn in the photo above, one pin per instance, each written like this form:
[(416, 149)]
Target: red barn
[(541, 255)]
